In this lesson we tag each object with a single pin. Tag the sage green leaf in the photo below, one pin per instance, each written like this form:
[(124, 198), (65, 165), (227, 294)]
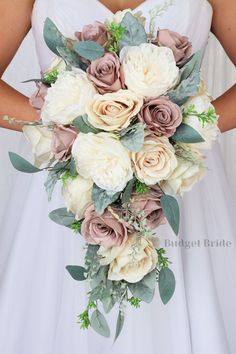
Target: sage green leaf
[(135, 33), (89, 50), (128, 191), (102, 199), (70, 57), (144, 289), (133, 137), (76, 272), (72, 166), (51, 182), (187, 88), (100, 277), (62, 217), (22, 165), (119, 324), (166, 284), (107, 300), (32, 80), (193, 65), (186, 134), (52, 36), (170, 208), (99, 324), (83, 125)]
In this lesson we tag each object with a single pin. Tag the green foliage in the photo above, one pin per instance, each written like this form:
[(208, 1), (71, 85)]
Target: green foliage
[(52, 36), (76, 227), (133, 137), (51, 77), (141, 188), (145, 289), (119, 323), (135, 302), (89, 50), (208, 117), (116, 35), (128, 191), (166, 284), (171, 210), (83, 125), (62, 217), (71, 58), (84, 320), (99, 323), (22, 165), (102, 199), (76, 272), (186, 134), (163, 261), (67, 176), (135, 33)]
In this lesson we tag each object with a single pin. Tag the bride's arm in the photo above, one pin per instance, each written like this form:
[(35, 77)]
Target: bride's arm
[(224, 28), (14, 25)]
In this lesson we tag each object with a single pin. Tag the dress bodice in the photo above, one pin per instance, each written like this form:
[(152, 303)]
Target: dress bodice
[(187, 17)]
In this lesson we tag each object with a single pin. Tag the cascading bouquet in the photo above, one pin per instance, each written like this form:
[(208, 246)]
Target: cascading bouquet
[(124, 117)]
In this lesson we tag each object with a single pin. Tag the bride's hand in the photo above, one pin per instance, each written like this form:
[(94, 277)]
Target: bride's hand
[(14, 25)]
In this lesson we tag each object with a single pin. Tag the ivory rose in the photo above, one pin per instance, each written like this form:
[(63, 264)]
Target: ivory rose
[(103, 158), (41, 140), (155, 161), (149, 71), (68, 97), (130, 262), (105, 230), (113, 111), (77, 193)]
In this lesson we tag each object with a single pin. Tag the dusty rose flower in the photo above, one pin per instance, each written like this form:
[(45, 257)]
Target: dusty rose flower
[(105, 230), (105, 73), (149, 204), (96, 32), (161, 115), (180, 45), (38, 97), (63, 139)]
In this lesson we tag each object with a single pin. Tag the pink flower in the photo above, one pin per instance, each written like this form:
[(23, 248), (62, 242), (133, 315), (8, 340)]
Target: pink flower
[(38, 98), (96, 32), (149, 204), (63, 139), (105, 230), (180, 45), (161, 116), (105, 73)]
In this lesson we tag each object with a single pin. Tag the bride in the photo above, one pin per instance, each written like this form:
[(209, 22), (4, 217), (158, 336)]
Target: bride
[(38, 299)]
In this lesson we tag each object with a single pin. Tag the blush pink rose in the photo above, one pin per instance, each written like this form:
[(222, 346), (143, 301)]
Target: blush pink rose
[(96, 32), (38, 97), (161, 116), (105, 73), (180, 45), (104, 230), (149, 203), (63, 139)]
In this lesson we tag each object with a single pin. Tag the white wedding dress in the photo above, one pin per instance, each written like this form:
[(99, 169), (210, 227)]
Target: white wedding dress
[(39, 301)]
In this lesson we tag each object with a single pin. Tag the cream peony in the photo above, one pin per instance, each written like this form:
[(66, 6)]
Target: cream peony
[(104, 159), (41, 140), (189, 171), (149, 71), (155, 161), (77, 193), (130, 262), (209, 131), (113, 111), (56, 64), (68, 97)]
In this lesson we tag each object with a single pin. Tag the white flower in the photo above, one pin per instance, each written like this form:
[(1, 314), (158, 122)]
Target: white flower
[(77, 193), (209, 130), (155, 161), (113, 111), (130, 262), (41, 140), (56, 64), (189, 171), (68, 97), (104, 159), (149, 70), (119, 15)]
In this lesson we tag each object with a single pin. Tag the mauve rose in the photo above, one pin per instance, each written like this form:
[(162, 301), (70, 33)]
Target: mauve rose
[(149, 204), (161, 115), (180, 45), (38, 97), (104, 230), (63, 139), (105, 73), (96, 32)]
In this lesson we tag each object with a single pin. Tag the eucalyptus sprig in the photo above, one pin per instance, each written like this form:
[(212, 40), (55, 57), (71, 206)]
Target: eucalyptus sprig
[(204, 117), (116, 35)]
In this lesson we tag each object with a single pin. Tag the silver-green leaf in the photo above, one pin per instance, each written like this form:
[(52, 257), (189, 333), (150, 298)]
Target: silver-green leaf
[(102, 199), (62, 217), (76, 272), (22, 165), (119, 324), (170, 208), (52, 36), (166, 284), (133, 137), (186, 134), (128, 191), (84, 126), (71, 58), (89, 50), (144, 289), (135, 32), (99, 324)]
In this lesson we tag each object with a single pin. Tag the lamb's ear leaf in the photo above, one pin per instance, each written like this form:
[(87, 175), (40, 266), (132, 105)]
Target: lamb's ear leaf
[(135, 32), (102, 199), (186, 134), (170, 208), (166, 284), (22, 165), (52, 36), (99, 324), (119, 324)]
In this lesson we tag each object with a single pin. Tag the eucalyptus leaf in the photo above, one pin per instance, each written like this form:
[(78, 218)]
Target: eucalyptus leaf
[(135, 32), (133, 137), (187, 88), (52, 36), (119, 324), (193, 65), (89, 50), (186, 134), (108, 301), (73, 169), (128, 191), (76, 272), (144, 289), (71, 58), (166, 284), (170, 208), (62, 217), (50, 183), (102, 199), (83, 125), (100, 277), (22, 165), (99, 324)]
